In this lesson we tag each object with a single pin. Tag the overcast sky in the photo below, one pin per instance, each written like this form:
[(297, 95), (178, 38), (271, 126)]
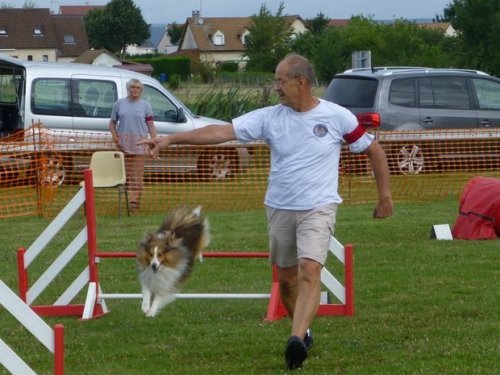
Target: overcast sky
[(168, 11)]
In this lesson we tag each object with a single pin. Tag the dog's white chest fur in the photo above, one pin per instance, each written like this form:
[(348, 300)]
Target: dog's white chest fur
[(159, 288), (165, 257)]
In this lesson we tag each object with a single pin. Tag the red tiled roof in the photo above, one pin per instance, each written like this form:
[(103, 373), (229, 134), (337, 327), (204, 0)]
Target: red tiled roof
[(20, 24), (70, 25), (338, 22), (88, 56), (136, 67), (78, 10), (203, 28)]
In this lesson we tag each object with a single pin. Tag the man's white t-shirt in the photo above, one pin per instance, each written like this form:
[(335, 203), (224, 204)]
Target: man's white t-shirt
[(305, 151)]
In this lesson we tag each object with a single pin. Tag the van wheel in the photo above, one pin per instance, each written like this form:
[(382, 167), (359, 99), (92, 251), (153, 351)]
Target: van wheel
[(217, 164), (53, 170)]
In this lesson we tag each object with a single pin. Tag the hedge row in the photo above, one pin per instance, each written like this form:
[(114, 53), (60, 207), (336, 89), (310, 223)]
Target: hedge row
[(179, 65)]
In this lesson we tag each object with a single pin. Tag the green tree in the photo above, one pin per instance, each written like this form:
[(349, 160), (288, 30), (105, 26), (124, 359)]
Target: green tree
[(478, 25), (174, 31), (318, 24), (401, 43), (116, 26), (269, 40)]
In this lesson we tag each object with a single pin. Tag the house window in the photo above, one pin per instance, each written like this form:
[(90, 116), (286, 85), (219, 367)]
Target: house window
[(218, 38), (69, 39), (30, 57), (3, 31), (244, 36), (37, 31), (45, 57)]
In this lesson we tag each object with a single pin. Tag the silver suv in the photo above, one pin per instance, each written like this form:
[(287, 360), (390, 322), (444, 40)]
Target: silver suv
[(418, 99)]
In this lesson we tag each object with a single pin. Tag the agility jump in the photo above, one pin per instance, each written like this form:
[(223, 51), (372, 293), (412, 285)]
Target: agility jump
[(95, 304), (52, 339)]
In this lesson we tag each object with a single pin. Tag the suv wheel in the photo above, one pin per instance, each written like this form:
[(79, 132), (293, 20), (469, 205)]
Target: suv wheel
[(410, 159), (217, 164)]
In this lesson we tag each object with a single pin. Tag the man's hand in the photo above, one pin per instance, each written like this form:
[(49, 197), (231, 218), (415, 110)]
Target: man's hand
[(383, 209), (153, 145)]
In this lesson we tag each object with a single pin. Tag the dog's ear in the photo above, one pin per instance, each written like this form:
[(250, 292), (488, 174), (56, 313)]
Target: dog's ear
[(197, 211), (165, 235), (173, 242), (143, 243), (172, 257)]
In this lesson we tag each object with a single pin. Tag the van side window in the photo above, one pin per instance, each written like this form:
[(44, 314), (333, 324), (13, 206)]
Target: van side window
[(93, 98), (51, 96), (163, 108), (488, 93)]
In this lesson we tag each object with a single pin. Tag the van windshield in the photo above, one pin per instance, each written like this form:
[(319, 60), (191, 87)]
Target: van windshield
[(11, 79), (9, 83)]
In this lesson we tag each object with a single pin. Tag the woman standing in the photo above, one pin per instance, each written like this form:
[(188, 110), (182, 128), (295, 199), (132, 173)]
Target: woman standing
[(131, 121)]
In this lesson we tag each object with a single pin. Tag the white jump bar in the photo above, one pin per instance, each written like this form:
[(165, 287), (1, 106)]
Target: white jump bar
[(187, 295)]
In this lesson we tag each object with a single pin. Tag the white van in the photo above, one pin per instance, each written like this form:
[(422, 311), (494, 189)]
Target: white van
[(75, 98)]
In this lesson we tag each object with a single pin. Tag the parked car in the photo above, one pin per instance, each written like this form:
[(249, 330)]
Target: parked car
[(71, 100), (425, 103)]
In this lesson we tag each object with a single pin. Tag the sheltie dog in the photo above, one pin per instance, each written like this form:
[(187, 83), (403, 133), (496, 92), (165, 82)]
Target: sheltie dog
[(165, 257)]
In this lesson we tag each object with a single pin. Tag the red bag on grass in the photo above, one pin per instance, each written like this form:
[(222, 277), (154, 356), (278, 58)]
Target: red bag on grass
[(479, 210)]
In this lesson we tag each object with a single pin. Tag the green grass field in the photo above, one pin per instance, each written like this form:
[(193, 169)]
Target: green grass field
[(422, 306)]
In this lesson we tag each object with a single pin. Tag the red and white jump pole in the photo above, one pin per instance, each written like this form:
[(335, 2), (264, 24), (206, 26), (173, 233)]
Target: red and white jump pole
[(276, 309), (95, 300)]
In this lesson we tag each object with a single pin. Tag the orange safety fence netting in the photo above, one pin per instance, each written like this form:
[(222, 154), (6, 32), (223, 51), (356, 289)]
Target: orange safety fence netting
[(41, 170)]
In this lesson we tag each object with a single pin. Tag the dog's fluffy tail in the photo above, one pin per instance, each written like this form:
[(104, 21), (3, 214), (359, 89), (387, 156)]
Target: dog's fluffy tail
[(190, 225)]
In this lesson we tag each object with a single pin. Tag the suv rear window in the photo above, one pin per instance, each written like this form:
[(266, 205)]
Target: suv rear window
[(352, 91)]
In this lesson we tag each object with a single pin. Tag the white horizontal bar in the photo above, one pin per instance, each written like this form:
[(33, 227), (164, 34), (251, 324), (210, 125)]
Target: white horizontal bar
[(186, 296)]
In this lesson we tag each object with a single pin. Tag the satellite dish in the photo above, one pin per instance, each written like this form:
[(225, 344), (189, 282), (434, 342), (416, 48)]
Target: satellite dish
[(200, 21)]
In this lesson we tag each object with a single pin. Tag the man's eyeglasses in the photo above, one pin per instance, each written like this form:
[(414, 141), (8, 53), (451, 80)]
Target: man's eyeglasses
[(284, 82)]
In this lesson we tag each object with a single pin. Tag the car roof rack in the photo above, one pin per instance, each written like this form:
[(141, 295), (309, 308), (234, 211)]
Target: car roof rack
[(393, 69)]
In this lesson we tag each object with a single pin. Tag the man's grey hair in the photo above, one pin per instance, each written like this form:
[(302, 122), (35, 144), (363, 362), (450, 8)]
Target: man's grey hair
[(300, 67)]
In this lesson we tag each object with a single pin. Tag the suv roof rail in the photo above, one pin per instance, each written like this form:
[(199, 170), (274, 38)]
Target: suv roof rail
[(378, 68), (391, 69)]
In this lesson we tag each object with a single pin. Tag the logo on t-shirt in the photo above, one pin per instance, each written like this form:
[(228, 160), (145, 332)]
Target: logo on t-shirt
[(320, 130)]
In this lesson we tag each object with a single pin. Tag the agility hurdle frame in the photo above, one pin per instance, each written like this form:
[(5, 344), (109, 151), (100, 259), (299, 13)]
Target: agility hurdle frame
[(62, 306), (52, 339), (95, 305)]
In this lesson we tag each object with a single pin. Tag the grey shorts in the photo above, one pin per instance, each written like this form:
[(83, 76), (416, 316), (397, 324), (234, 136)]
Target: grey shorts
[(300, 234)]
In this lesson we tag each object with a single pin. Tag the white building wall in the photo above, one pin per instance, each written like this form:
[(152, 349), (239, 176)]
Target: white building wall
[(37, 54)]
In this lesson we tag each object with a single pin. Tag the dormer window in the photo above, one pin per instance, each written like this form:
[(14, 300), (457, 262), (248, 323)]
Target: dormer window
[(37, 31), (3, 31), (243, 37), (218, 38), (69, 39)]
